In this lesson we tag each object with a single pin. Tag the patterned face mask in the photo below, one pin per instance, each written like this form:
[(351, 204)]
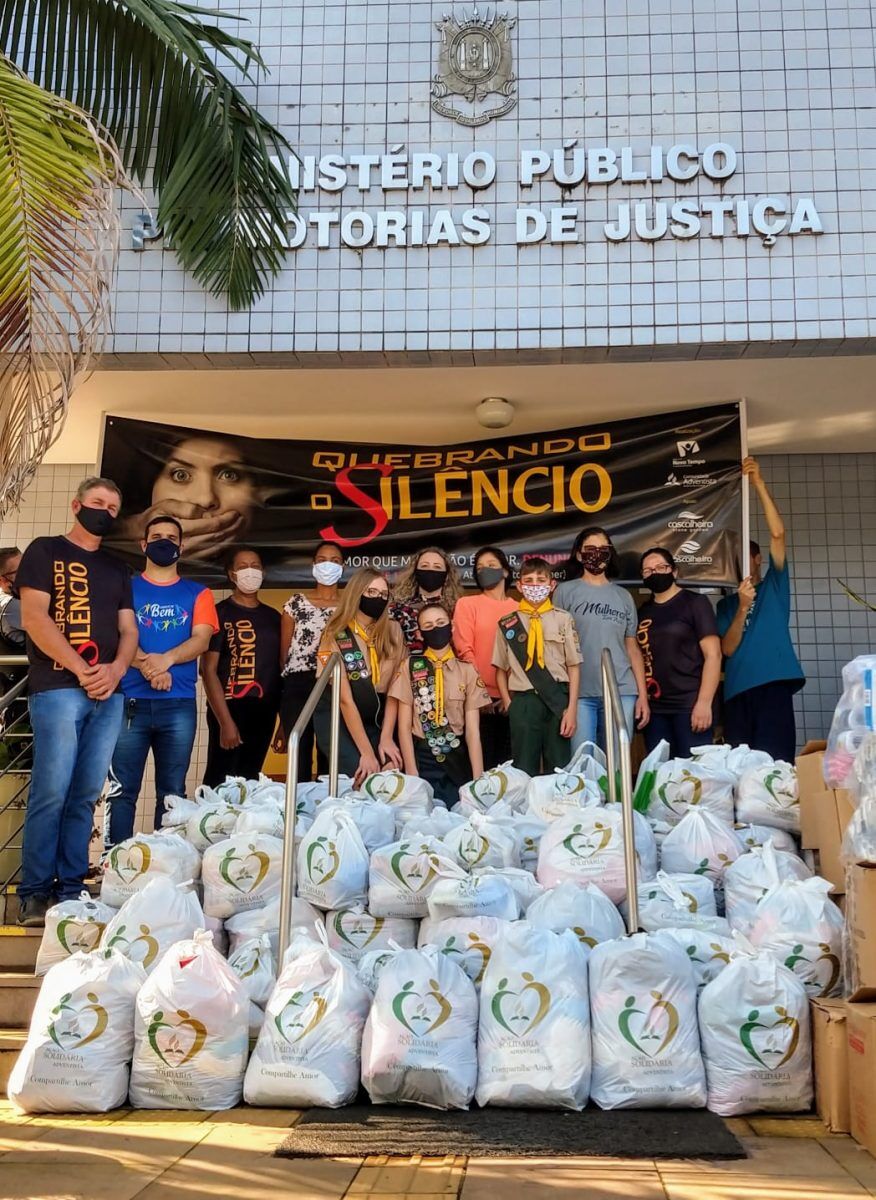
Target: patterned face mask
[(535, 593), (594, 559)]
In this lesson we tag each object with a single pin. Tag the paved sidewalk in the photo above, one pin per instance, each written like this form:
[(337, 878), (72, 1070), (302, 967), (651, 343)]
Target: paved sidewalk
[(186, 1156)]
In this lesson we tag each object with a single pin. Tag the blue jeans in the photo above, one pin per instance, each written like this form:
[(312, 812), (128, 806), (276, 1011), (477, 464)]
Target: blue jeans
[(167, 728), (591, 719), (73, 740)]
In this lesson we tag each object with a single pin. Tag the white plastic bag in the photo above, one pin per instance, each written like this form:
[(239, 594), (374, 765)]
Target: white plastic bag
[(438, 823), (333, 861), (467, 941), (586, 847), (646, 1044), (700, 844), (403, 874), (582, 907), (240, 873), (759, 835), (647, 775), (552, 796), (261, 818), (752, 876), (132, 863), (371, 964), (177, 810), (352, 932), (71, 926), (854, 719), (211, 824), (253, 964), (191, 1036), (708, 951), (769, 795), (483, 841), (374, 819), (81, 1037), (524, 885), (420, 1042), (152, 920), (504, 786), (530, 830), (255, 921), (473, 896), (800, 925), (534, 1032), (754, 1021), (308, 1052), (646, 843), (684, 783), (673, 900), (407, 795)]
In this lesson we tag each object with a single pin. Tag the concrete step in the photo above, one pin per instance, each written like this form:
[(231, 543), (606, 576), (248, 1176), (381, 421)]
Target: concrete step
[(11, 1043), (18, 993), (18, 948)]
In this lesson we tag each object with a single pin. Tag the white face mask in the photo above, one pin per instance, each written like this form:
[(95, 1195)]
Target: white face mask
[(249, 579), (327, 572)]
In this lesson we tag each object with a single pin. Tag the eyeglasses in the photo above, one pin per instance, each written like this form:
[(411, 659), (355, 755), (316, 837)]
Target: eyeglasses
[(374, 592), (647, 572)]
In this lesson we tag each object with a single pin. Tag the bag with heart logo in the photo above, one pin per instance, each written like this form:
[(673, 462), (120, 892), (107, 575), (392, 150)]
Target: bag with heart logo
[(523, 884), (586, 847), (753, 875), (177, 810), (769, 795), (685, 783), (81, 1035), (582, 907), (153, 920), (530, 830), (241, 872), (402, 874), (534, 1031), (191, 1031), (800, 925), (759, 835), (407, 795), (132, 863), (352, 932), (503, 787), (211, 824), (708, 950), (420, 1042), (754, 1022), (374, 820), (263, 818), (552, 796), (265, 790), (332, 861), (467, 941), (484, 841), (233, 790), (70, 926), (645, 1038), (646, 843), (253, 963), (309, 1048), (255, 921), (701, 844), (473, 896), (674, 900)]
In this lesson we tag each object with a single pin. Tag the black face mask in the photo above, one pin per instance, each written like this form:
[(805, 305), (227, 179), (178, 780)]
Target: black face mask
[(488, 577), (659, 583), (437, 638), (430, 581), (96, 521), (373, 606), (163, 552)]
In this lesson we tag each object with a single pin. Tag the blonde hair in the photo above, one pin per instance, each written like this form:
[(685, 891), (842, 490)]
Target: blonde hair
[(407, 589), (385, 634)]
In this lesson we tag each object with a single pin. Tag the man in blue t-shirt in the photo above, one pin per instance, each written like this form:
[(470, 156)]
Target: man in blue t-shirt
[(761, 668), (175, 620)]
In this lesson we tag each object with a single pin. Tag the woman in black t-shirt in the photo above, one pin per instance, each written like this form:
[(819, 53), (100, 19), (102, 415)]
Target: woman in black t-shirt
[(678, 637), (241, 673)]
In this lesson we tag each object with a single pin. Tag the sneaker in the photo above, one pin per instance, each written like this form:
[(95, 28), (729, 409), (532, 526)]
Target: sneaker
[(32, 911)]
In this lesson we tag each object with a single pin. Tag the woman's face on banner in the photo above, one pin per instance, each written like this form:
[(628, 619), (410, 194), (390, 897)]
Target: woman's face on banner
[(208, 474)]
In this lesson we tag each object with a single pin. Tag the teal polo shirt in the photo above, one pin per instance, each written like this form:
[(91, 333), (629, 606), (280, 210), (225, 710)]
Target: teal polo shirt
[(766, 653)]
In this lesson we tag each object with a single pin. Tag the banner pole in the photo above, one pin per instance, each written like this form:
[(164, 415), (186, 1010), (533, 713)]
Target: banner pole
[(746, 491)]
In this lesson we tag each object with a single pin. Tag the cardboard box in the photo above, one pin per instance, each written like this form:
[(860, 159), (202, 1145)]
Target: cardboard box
[(824, 814), (831, 1062), (861, 1042), (811, 787), (861, 929)]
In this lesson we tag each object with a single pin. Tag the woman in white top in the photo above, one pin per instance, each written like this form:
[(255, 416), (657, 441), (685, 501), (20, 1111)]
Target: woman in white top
[(303, 621)]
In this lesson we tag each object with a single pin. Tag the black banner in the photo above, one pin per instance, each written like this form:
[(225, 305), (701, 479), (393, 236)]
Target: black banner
[(671, 480)]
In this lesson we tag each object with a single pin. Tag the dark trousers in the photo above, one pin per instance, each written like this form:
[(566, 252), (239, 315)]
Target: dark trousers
[(495, 738), (167, 728), (297, 686), (433, 772), (536, 742), (255, 720), (675, 729), (763, 718)]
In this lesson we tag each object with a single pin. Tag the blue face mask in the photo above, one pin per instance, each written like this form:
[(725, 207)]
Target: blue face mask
[(163, 552)]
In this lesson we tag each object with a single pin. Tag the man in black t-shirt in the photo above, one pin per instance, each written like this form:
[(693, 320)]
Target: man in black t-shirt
[(77, 613)]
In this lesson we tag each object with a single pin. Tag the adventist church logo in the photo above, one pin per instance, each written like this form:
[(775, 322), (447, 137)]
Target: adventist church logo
[(475, 63)]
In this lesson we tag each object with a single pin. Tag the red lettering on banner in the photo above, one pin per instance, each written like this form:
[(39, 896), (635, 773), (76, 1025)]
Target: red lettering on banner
[(372, 507)]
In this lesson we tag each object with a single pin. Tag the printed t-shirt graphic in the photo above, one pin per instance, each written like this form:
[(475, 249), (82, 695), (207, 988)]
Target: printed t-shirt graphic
[(166, 615), (248, 645)]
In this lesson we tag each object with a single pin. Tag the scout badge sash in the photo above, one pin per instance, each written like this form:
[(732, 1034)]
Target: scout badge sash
[(552, 692), (447, 747)]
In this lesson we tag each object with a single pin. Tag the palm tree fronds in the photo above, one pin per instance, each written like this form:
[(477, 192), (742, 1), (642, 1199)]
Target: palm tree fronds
[(854, 596)]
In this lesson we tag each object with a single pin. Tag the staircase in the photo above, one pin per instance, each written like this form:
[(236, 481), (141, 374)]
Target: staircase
[(18, 985)]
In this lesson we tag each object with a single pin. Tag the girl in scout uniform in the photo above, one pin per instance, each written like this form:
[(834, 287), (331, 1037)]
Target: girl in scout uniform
[(371, 647), (439, 700)]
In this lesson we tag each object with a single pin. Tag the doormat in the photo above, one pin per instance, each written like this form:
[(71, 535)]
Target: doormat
[(364, 1129)]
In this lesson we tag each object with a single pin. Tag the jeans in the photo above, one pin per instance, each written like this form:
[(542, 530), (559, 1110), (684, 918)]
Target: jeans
[(73, 740), (675, 729), (591, 719), (167, 728)]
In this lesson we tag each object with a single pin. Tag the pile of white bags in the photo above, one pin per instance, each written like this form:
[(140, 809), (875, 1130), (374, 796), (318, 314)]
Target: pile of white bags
[(646, 1042), (586, 847), (681, 784), (749, 879), (374, 819), (798, 923), (552, 796), (241, 872), (253, 964), (701, 844), (530, 830), (407, 795), (534, 1031), (468, 941), (81, 1037), (71, 926), (503, 787), (708, 950), (191, 1031), (132, 863), (352, 932), (420, 1042), (210, 824), (582, 907), (253, 922), (473, 896), (332, 861), (152, 920), (768, 795), (402, 875), (483, 841), (759, 835), (675, 900)]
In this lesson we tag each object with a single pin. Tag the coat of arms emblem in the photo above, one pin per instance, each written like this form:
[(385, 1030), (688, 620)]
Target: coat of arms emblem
[(475, 64)]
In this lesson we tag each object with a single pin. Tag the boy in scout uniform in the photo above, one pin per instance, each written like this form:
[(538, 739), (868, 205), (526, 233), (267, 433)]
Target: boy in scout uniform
[(439, 701), (536, 657)]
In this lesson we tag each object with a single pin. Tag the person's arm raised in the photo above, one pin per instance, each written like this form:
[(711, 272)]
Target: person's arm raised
[(775, 524)]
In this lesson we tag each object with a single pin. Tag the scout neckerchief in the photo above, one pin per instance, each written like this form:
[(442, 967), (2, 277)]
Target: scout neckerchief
[(535, 640), (438, 661), (554, 693), (373, 660), (437, 732)]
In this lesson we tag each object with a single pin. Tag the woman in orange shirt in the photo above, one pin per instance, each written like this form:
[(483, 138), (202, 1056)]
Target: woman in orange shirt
[(474, 634)]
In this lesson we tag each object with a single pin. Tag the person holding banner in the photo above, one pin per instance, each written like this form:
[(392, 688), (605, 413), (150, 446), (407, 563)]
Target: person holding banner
[(372, 648), (440, 699), (474, 634), (430, 576), (678, 638)]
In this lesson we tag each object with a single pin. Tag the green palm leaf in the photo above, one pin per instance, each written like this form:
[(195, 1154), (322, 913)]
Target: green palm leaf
[(58, 236)]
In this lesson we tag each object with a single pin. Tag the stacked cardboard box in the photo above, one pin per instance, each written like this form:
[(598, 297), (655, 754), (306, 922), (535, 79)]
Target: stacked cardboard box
[(824, 814)]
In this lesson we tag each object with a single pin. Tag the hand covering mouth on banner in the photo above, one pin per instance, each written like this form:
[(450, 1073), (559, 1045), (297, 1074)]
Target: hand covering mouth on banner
[(670, 480)]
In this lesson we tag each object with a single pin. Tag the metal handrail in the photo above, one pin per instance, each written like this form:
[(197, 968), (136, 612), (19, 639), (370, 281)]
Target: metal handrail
[(617, 747), (331, 674), (25, 738)]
